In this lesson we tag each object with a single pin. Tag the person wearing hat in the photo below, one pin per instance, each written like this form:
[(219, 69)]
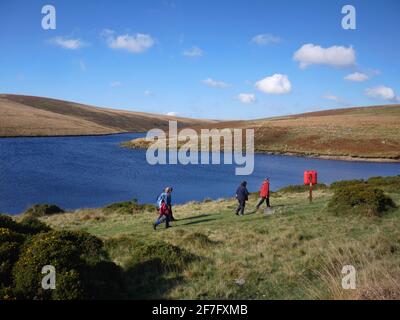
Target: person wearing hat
[(242, 195)]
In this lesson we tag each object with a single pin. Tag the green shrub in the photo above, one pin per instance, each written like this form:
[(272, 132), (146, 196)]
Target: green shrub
[(390, 184), (90, 246), (31, 225), (41, 210), (302, 188), (8, 223), (78, 260), (10, 243), (345, 183), (28, 225), (129, 207), (360, 198)]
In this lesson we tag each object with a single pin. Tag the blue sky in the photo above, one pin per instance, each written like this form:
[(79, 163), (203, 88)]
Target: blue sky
[(209, 59)]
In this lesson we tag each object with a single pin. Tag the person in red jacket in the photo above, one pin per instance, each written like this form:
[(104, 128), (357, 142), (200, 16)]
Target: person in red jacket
[(164, 215), (264, 193)]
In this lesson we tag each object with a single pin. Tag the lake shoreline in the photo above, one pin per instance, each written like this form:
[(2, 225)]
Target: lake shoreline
[(138, 145), (72, 135)]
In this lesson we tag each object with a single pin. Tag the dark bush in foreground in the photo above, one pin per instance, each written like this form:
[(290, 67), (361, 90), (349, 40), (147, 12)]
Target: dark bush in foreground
[(81, 271), (302, 188), (10, 243), (129, 207), (28, 225), (41, 210), (8, 223), (31, 225), (360, 198)]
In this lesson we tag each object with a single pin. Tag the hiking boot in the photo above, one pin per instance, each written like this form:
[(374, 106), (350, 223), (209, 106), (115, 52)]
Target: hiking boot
[(154, 226), (166, 227)]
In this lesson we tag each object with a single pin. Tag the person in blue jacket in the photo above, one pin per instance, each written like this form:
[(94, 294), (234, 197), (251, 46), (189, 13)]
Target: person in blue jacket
[(242, 195)]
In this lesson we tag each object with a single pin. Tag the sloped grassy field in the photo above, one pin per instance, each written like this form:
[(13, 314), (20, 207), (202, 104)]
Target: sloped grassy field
[(296, 253)]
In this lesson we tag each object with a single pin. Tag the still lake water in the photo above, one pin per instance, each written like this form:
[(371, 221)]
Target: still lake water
[(93, 171)]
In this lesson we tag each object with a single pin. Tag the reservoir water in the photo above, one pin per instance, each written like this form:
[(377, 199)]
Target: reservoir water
[(93, 171)]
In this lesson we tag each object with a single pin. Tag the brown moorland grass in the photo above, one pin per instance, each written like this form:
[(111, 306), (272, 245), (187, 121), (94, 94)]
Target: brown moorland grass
[(361, 133), (369, 133), (37, 116)]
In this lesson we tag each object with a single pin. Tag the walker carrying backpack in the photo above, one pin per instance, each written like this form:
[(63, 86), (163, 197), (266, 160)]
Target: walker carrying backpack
[(160, 199)]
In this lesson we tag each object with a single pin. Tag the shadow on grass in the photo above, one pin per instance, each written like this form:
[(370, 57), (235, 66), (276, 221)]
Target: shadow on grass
[(155, 269), (194, 217), (148, 280), (197, 222)]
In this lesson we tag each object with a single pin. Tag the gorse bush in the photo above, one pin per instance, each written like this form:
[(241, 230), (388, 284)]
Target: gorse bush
[(41, 210), (10, 243), (390, 184), (302, 188), (129, 207), (81, 271), (31, 225), (8, 223), (360, 198), (48, 249), (346, 183)]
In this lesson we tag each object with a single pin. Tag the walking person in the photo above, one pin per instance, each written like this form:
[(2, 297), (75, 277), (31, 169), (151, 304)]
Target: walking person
[(164, 214), (169, 203), (264, 194), (242, 195)]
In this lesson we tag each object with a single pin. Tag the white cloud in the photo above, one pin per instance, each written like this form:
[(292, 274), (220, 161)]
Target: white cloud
[(336, 99), (215, 84), (275, 84), (193, 52), (382, 92), (172, 114), (82, 65), (136, 43), (115, 84), (331, 97), (246, 98), (337, 56), (68, 43), (265, 39), (357, 77), (147, 93)]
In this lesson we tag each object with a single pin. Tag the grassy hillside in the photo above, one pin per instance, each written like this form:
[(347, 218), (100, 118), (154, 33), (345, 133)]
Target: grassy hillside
[(37, 116), (369, 133), (295, 253)]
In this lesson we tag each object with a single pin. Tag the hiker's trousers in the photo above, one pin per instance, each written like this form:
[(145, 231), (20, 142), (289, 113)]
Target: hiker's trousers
[(240, 208), (262, 201)]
